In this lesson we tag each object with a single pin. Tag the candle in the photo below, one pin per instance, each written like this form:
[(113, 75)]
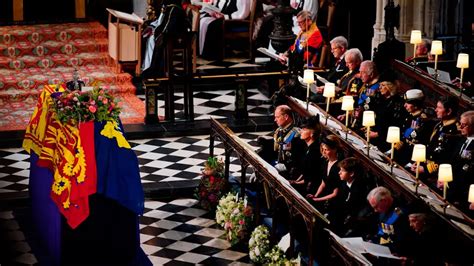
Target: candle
[(445, 175)]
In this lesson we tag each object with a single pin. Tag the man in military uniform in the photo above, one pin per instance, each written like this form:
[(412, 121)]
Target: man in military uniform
[(463, 164), (288, 147), (441, 143), (370, 85), (350, 83), (416, 128), (392, 222)]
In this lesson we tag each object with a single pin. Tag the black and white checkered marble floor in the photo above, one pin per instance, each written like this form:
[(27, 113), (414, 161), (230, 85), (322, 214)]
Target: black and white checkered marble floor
[(160, 160), (172, 233), (218, 104)]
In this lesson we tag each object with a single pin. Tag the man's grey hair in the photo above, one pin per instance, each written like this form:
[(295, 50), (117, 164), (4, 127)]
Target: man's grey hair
[(340, 41), (469, 115), (379, 193), (304, 14), (371, 68), (355, 54)]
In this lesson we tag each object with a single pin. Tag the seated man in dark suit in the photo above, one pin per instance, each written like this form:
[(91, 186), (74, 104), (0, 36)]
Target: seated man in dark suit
[(463, 165), (353, 192)]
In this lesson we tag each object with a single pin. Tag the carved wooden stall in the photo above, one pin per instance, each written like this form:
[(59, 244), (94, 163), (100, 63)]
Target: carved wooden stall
[(280, 188), (459, 227), (238, 77)]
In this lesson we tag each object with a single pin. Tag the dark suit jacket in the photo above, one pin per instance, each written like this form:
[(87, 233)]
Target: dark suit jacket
[(337, 71), (463, 176)]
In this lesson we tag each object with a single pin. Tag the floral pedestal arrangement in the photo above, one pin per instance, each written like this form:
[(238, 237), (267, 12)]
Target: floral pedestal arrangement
[(235, 215), (212, 185), (262, 253)]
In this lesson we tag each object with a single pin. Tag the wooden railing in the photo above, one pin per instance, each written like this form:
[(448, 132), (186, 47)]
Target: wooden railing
[(279, 187), (458, 226), (411, 76)]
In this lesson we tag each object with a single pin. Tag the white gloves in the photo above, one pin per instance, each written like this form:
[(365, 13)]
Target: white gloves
[(280, 167)]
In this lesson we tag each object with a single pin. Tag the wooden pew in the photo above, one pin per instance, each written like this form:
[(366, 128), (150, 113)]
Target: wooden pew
[(280, 188), (411, 76), (459, 226)]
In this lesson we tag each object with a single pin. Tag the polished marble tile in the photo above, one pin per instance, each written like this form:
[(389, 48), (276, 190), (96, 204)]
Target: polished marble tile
[(201, 222), (210, 232), (218, 243), (192, 257), (183, 246), (174, 235), (166, 224), (192, 212), (229, 255)]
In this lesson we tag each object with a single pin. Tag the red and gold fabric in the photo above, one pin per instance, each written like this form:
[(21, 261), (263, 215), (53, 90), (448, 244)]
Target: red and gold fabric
[(310, 42), (69, 153)]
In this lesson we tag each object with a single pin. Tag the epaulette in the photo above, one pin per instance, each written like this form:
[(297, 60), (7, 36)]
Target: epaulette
[(423, 116), (398, 145), (432, 166)]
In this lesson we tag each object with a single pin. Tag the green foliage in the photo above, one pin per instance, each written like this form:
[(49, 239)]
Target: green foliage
[(74, 107)]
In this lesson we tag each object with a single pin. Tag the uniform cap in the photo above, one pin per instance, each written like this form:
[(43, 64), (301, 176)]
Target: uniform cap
[(413, 95)]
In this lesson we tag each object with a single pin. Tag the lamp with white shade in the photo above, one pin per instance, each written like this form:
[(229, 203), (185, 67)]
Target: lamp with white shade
[(462, 63), (436, 49), (368, 120), (445, 175), (347, 105), (418, 155), (470, 198), (415, 39), (393, 136), (329, 92), (308, 78)]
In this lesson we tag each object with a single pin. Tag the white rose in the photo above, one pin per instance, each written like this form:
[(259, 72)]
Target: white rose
[(252, 255), (257, 251)]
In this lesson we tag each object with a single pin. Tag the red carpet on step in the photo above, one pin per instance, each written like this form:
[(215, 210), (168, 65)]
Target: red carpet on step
[(32, 56)]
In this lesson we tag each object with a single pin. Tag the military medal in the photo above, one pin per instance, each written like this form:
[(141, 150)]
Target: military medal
[(366, 104)]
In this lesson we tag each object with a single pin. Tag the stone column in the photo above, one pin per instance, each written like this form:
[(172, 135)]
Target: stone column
[(379, 30)]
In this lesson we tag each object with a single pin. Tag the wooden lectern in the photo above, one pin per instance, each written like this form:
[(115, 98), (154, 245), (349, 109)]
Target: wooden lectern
[(125, 38)]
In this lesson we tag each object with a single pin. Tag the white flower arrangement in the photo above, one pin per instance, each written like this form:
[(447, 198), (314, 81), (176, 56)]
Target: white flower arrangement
[(235, 215), (259, 244), (261, 253)]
